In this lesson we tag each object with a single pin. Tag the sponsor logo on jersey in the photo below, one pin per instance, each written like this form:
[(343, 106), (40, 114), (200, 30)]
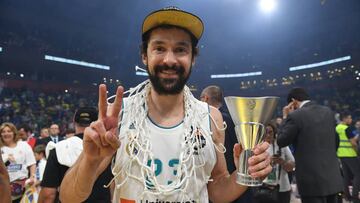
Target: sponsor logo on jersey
[(14, 167)]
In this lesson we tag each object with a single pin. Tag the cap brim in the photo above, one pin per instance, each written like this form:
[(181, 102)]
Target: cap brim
[(179, 18)]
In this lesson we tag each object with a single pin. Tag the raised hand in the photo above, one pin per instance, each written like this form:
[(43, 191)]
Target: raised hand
[(288, 109), (101, 138)]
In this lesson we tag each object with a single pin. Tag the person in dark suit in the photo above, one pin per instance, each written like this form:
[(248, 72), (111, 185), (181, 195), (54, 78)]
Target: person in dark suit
[(213, 95), (311, 129), (54, 135)]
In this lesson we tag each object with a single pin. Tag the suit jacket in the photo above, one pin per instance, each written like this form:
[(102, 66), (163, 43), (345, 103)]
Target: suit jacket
[(46, 140), (311, 129)]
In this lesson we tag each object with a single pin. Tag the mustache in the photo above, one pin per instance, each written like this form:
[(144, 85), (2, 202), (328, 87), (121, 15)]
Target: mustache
[(177, 69)]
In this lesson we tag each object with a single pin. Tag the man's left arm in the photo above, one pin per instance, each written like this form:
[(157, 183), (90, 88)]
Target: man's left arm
[(352, 137), (224, 188)]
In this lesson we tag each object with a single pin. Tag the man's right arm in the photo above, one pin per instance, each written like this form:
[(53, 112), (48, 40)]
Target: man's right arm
[(100, 143), (79, 179)]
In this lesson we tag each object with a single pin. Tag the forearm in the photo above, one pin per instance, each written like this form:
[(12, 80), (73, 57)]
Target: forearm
[(79, 179), (225, 189), (32, 171), (354, 143), (47, 195)]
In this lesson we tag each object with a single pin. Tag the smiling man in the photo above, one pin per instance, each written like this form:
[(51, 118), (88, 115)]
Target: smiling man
[(165, 145)]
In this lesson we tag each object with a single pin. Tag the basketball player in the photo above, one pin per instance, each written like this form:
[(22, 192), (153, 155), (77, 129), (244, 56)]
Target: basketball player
[(166, 146)]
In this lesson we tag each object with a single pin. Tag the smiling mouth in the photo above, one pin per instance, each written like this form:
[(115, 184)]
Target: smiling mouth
[(168, 74)]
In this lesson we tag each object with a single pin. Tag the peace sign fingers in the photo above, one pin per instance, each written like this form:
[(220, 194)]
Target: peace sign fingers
[(102, 102), (116, 106)]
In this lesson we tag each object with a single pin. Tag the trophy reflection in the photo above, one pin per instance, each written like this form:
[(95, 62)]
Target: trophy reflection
[(250, 115)]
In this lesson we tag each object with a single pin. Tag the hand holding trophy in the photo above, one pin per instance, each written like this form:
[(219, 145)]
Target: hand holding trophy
[(250, 115)]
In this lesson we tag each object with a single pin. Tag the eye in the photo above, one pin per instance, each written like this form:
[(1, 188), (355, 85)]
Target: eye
[(159, 49), (181, 50)]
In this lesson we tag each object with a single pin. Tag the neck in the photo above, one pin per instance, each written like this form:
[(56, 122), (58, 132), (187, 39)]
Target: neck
[(79, 129), (215, 105), (11, 144), (166, 109)]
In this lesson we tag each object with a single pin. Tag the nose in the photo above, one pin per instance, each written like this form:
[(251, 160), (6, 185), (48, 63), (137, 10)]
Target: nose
[(170, 59)]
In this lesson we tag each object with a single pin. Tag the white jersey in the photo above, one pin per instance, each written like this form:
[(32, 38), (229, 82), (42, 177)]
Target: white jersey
[(166, 146), (24, 157)]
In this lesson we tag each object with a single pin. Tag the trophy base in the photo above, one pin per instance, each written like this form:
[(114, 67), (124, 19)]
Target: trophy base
[(247, 180)]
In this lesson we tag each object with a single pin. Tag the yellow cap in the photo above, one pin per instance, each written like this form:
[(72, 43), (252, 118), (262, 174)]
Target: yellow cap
[(174, 16)]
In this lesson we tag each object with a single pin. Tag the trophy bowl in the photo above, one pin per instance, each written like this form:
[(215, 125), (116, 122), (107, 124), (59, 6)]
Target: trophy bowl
[(250, 115)]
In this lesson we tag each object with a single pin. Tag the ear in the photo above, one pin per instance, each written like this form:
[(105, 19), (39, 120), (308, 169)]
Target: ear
[(204, 98), (144, 58), (193, 61)]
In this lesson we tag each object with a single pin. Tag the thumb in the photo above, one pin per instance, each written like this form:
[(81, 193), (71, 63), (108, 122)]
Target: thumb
[(236, 151)]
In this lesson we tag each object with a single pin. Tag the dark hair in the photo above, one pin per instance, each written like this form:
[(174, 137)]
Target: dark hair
[(40, 149), (273, 125), (146, 36), (344, 115), (25, 127), (297, 93)]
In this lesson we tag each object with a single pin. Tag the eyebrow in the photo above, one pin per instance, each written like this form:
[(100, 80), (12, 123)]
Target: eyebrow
[(181, 43)]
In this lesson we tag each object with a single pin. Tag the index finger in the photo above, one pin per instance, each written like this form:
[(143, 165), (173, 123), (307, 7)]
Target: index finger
[(261, 148), (102, 101), (116, 107)]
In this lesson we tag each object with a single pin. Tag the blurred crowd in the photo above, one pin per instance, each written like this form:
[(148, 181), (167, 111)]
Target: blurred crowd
[(39, 109)]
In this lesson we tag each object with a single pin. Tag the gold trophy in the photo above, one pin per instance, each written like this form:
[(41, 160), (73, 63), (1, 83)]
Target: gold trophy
[(250, 115)]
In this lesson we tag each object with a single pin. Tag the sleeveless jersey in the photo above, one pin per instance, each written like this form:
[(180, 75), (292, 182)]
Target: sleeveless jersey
[(165, 146)]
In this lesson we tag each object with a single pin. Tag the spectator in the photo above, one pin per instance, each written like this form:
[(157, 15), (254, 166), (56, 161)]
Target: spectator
[(347, 152), (27, 135), (54, 135), (39, 152), (64, 156), (44, 133), (283, 162), (21, 160), (311, 129)]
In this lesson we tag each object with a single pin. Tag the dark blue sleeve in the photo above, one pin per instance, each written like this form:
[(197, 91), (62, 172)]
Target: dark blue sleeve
[(350, 132)]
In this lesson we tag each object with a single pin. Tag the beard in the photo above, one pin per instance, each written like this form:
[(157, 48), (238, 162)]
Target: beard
[(168, 86)]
